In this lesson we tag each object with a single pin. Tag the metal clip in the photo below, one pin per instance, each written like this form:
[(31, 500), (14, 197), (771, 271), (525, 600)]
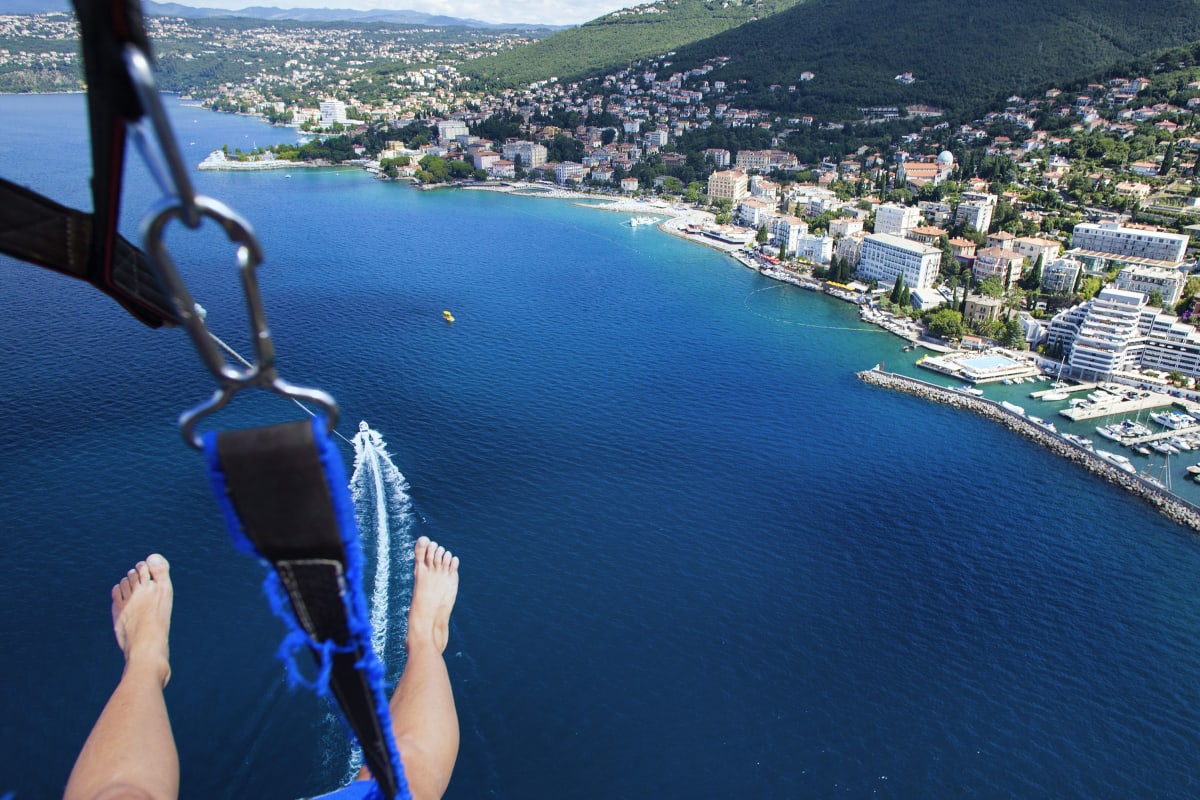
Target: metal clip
[(230, 379), (175, 180)]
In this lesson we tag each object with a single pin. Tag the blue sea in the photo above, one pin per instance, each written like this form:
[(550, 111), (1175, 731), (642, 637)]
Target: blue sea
[(699, 557)]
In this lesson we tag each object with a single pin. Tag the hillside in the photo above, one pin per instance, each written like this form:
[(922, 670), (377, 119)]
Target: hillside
[(962, 56), (620, 37)]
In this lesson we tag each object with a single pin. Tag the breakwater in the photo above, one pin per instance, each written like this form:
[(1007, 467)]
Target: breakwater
[(1171, 505)]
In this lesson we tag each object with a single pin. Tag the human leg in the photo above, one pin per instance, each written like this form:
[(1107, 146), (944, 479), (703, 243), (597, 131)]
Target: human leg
[(130, 752), (424, 719)]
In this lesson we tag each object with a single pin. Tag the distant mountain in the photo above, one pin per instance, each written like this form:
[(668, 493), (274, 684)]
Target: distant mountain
[(35, 6), (272, 13), (615, 39), (961, 55)]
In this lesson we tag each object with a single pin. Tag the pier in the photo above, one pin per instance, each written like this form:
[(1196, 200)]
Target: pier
[(1118, 406)]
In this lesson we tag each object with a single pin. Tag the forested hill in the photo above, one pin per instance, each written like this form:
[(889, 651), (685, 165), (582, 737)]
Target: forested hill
[(961, 55), (616, 39)]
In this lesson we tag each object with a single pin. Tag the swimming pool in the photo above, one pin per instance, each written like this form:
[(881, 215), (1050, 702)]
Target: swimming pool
[(986, 363)]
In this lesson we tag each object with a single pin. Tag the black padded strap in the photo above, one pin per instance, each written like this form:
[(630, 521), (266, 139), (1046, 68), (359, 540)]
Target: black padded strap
[(278, 488), (36, 229)]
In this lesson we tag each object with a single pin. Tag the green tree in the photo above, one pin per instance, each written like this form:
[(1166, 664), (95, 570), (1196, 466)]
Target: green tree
[(1089, 287), (945, 323), (991, 286), (1155, 299), (1033, 279), (1013, 335), (762, 235), (435, 167)]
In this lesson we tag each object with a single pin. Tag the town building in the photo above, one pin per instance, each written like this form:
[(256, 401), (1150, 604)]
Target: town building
[(569, 171), (896, 219), (980, 309), (728, 184), (450, 129), (755, 213), (976, 210), (816, 248), (886, 257), (1164, 280), (1117, 332), (1033, 247), (1059, 276), (787, 232), (1142, 243), (332, 111), (530, 155), (844, 226), (998, 262)]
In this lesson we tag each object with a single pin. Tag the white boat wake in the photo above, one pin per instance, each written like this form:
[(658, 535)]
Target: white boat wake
[(385, 519)]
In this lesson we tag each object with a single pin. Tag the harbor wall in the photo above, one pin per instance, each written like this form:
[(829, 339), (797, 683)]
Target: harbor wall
[(1174, 507)]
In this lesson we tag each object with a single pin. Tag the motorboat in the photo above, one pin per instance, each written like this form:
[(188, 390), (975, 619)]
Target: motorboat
[(1175, 420), (1117, 460)]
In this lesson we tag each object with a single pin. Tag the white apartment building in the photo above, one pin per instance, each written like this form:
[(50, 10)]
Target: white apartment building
[(886, 257), (1111, 237), (1033, 246), (844, 226), (787, 232), (1117, 332), (1059, 275), (569, 171), (998, 262), (896, 219), (332, 111), (656, 138), (728, 184), (718, 156), (756, 213), (449, 129), (817, 249), (1168, 282), (532, 154), (976, 213)]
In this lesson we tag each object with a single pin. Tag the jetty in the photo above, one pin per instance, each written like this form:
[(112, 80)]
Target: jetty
[(1169, 504), (1129, 402)]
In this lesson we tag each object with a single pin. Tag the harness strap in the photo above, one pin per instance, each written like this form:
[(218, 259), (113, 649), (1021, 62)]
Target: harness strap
[(105, 27), (36, 229), (283, 491)]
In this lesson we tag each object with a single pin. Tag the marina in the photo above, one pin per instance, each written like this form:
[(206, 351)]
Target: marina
[(1114, 400)]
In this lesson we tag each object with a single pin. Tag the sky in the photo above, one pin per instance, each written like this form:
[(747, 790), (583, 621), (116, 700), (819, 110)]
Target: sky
[(548, 12)]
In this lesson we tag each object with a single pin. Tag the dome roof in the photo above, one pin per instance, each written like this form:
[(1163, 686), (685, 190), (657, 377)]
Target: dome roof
[(945, 157)]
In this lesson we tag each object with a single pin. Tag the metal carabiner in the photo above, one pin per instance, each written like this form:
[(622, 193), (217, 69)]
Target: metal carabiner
[(230, 379), (175, 180)]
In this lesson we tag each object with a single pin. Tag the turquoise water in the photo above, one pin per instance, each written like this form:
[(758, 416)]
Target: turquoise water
[(700, 558)]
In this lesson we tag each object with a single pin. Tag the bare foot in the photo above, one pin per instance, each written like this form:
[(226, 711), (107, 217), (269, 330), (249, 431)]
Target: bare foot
[(141, 611), (435, 586)]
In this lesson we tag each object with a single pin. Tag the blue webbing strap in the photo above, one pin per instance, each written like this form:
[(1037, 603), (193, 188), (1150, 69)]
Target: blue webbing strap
[(283, 492)]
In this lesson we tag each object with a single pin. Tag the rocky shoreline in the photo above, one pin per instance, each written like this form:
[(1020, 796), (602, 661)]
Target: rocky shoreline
[(1173, 507)]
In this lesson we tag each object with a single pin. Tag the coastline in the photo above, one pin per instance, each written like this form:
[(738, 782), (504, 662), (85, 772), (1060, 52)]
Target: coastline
[(1169, 504)]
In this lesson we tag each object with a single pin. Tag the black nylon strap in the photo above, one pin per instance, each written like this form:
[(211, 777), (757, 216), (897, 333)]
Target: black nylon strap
[(278, 488), (105, 27), (36, 229)]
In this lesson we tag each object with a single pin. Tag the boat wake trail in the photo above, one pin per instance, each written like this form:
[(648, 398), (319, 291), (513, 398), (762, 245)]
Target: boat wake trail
[(385, 520)]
